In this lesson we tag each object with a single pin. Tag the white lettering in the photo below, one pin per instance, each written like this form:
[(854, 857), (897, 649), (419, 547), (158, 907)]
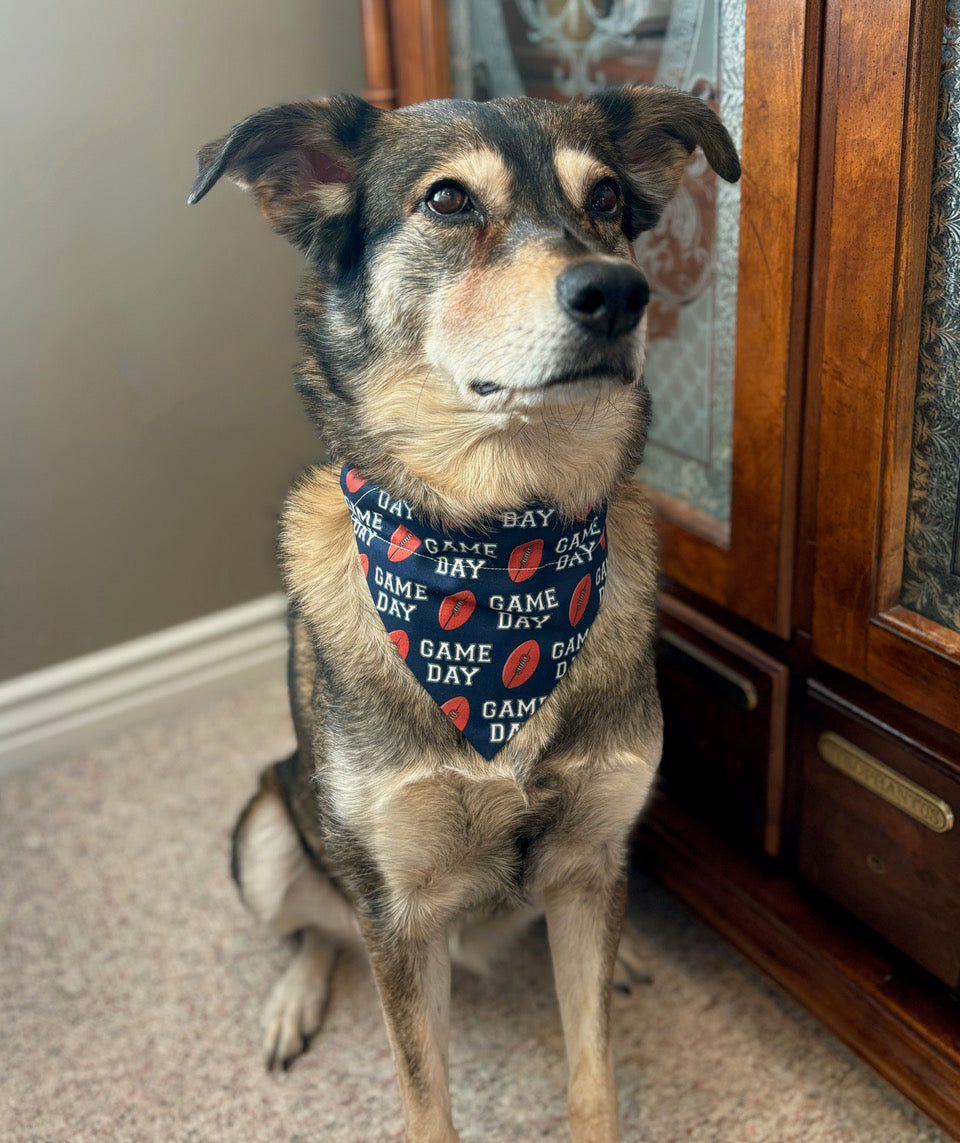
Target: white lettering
[(461, 547), (571, 647), (394, 507), (543, 601), (459, 568), (451, 676), (528, 519), (387, 606), (505, 621), (408, 588), (456, 652)]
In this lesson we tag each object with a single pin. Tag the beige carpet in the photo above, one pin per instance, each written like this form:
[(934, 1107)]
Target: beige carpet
[(131, 982)]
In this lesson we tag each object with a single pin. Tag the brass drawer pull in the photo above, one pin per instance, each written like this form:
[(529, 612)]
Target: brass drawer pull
[(872, 774), (678, 652)]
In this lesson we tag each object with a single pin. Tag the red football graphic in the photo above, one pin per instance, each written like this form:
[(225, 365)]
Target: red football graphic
[(457, 710), (521, 663), (365, 563), (401, 640), (603, 540), (456, 609), (403, 543), (354, 480), (524, 560), (578, 601)]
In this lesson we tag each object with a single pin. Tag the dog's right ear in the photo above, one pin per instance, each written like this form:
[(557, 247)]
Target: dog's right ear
[(654, 130), (299, 159)]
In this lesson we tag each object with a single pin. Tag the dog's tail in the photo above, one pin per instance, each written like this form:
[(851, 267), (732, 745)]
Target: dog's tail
[(281, 776)]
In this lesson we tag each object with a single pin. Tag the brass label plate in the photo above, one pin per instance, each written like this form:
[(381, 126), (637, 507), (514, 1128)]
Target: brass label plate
[(867, 771)]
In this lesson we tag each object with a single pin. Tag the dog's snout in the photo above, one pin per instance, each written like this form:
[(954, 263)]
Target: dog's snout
[(606, 297)]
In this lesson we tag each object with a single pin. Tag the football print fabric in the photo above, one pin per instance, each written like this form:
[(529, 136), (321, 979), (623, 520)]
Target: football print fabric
[(490, 620)]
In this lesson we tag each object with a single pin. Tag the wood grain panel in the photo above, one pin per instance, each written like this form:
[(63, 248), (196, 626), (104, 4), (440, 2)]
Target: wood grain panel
[(377, 61), (880, 83), (420, 49), (865, 75), (753, 575), (723, 757), (918, 662), (861, 846)]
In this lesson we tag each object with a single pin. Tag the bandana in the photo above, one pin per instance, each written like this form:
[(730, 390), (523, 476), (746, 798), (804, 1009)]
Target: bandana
[(489, 620)]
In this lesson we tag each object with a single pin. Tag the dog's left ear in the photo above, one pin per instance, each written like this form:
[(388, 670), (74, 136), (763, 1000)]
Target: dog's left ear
[(654, 130), (298, 159)]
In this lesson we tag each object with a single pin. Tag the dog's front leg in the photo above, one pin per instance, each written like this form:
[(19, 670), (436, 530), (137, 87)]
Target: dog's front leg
[(413, 979), (584, 928)]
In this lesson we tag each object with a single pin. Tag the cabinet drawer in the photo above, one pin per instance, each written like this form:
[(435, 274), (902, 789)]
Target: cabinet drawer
[(877, 829), (724, 706)]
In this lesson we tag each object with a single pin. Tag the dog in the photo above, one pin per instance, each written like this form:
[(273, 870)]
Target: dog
[(472, 324)]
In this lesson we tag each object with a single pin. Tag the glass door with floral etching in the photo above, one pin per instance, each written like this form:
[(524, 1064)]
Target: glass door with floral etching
[(566, 49), (721, 261)]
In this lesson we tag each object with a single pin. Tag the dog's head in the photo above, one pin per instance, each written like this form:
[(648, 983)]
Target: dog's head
[(473, 319)]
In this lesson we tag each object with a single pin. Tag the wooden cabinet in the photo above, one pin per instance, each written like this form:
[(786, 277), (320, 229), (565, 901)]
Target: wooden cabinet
[(728, 763), (876, 828), (810, 648), (873, 217)]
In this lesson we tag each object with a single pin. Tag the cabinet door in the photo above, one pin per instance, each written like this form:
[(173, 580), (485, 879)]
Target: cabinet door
[(885, 414), (727, 265)]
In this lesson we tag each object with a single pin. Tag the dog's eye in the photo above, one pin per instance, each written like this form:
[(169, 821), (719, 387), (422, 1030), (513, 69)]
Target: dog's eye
[(605, 198), (448, 198)]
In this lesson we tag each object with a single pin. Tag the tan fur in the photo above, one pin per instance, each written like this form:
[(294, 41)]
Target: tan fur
[(578, 172), (518, 446), (334, 198), (469, 328), (470, 365), (563, 454), (481, 171)]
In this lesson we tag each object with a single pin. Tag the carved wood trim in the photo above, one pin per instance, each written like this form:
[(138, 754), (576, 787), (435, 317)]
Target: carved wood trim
[(377, 61)]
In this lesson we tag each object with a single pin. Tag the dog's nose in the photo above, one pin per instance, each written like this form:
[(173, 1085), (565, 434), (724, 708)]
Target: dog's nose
[(606, 297)]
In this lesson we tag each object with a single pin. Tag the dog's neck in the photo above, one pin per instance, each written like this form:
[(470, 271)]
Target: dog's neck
[(460, 470)]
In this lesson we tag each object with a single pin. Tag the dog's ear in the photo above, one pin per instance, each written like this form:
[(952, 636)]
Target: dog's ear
[(298, 159), (654, 130)]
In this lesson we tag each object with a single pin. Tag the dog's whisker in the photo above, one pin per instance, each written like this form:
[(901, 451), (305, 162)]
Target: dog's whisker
[(423, 386)]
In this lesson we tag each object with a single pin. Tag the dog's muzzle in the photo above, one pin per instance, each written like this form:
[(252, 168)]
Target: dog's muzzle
[(608, 298)]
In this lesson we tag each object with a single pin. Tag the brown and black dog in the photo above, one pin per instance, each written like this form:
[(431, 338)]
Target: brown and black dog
[(472, 324)]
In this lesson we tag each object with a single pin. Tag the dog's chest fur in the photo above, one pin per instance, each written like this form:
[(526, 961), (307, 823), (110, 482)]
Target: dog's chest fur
[(401, 796)]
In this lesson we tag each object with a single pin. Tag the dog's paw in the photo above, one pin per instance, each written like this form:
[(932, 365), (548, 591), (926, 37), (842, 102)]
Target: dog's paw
[(295, 1007)]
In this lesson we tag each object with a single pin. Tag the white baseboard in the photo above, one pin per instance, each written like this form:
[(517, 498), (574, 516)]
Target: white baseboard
[(70, 705)]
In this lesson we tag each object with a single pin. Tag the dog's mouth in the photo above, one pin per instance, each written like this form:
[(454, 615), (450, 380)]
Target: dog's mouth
[(616, 374), (598, 373)]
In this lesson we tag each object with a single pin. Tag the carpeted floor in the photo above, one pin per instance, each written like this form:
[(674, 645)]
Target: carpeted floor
[(131, 983)]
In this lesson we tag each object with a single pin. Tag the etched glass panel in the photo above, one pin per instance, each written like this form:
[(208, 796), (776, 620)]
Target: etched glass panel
[(560, 49), (931, 567)]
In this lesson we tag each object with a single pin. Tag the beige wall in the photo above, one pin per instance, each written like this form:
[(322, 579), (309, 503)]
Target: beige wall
[(148, 421)]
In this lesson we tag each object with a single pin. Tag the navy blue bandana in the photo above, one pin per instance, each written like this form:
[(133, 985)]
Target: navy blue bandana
[(488, 620)]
